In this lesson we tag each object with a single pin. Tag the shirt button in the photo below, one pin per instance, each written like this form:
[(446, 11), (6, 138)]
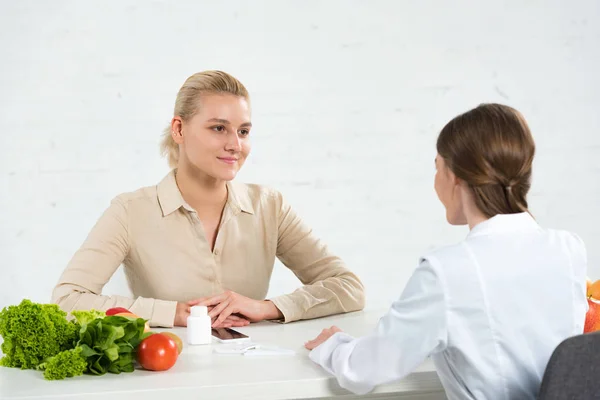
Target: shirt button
[(216, 252)]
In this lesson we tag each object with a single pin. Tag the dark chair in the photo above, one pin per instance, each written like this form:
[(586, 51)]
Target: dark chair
[(573, 371)]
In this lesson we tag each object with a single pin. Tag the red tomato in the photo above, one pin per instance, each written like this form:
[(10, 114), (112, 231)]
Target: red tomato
[(116, 310), (157, 352)]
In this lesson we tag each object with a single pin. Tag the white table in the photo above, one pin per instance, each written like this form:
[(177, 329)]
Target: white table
[(202, 374)]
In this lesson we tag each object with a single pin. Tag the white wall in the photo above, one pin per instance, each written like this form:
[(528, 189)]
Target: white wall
[(348, 98)]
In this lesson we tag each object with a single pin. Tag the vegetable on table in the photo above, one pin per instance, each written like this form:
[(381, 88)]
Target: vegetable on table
[(157, 352), (34, 332), (109, 343), (84, 317), (39, 336), (65, 364), (177, 340), (116, 310), (132, 315)]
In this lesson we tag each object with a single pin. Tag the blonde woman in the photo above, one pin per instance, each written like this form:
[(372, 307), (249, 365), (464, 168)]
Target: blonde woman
[(197, 237)]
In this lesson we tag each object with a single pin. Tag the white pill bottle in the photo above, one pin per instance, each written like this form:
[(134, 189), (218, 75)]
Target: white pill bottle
[(199, 326)]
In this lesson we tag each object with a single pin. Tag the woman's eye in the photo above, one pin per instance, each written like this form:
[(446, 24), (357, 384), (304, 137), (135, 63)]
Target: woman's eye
[(218, 128), (244, 132)]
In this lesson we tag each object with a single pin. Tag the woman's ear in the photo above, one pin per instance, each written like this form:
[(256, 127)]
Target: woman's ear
[(452, 178), (177, 130)]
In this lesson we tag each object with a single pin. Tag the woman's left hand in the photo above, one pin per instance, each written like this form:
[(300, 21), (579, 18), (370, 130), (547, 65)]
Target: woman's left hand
[(228, 303), (323, 336)]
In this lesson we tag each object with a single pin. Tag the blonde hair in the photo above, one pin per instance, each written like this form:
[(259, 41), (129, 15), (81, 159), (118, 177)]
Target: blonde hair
[(188, 101)]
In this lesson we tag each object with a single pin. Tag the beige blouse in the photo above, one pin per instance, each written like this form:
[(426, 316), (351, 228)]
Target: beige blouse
[(160, 241)]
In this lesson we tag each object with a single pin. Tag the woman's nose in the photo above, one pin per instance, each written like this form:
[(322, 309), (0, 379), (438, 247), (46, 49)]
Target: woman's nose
[(234, 143)]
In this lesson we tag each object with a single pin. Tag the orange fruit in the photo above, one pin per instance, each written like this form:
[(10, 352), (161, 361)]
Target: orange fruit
[(592, 317), (177, 340), (594, 290)]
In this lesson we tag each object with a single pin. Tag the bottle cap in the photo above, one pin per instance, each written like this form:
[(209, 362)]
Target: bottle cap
[(199, 311)]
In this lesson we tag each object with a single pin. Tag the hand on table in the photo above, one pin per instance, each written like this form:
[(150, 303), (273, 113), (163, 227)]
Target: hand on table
[(323, 336), (183, 312), (230, 309)]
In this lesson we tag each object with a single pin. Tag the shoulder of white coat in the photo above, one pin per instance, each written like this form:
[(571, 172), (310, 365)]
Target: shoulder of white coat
[(572, 243), (442, 255)]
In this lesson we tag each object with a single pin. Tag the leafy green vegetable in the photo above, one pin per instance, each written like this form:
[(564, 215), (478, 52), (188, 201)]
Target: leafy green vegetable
[(40, 336), (34, 332), (65, 364), (83, 317), (109, 343)]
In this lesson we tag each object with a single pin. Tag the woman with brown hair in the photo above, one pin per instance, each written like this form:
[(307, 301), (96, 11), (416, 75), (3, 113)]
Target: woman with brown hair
[(491, 309), (198, 238)]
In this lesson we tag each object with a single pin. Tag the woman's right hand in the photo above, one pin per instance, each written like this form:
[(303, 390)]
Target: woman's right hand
[(183, 312)]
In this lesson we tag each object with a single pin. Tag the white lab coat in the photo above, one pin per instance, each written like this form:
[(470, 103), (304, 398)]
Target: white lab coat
[(489, 311)]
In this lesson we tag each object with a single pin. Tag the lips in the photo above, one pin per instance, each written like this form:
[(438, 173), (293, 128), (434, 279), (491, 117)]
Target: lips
[(228, 160)]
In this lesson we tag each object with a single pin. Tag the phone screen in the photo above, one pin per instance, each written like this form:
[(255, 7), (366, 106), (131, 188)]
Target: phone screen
[(227, 334)]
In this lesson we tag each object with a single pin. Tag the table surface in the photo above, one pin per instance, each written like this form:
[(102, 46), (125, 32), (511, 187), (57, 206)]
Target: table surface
[(203, 374)]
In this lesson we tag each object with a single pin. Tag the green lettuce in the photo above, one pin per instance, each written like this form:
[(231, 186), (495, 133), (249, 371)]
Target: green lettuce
[(40, 336), (33, 332), (65, 364), (83, 317), (108, 344)]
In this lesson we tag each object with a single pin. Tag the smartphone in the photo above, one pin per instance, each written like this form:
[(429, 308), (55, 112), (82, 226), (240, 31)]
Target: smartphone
[(228, 335)]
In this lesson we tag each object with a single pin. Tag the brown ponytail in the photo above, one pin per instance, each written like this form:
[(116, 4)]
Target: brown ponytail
[(491, 149)]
